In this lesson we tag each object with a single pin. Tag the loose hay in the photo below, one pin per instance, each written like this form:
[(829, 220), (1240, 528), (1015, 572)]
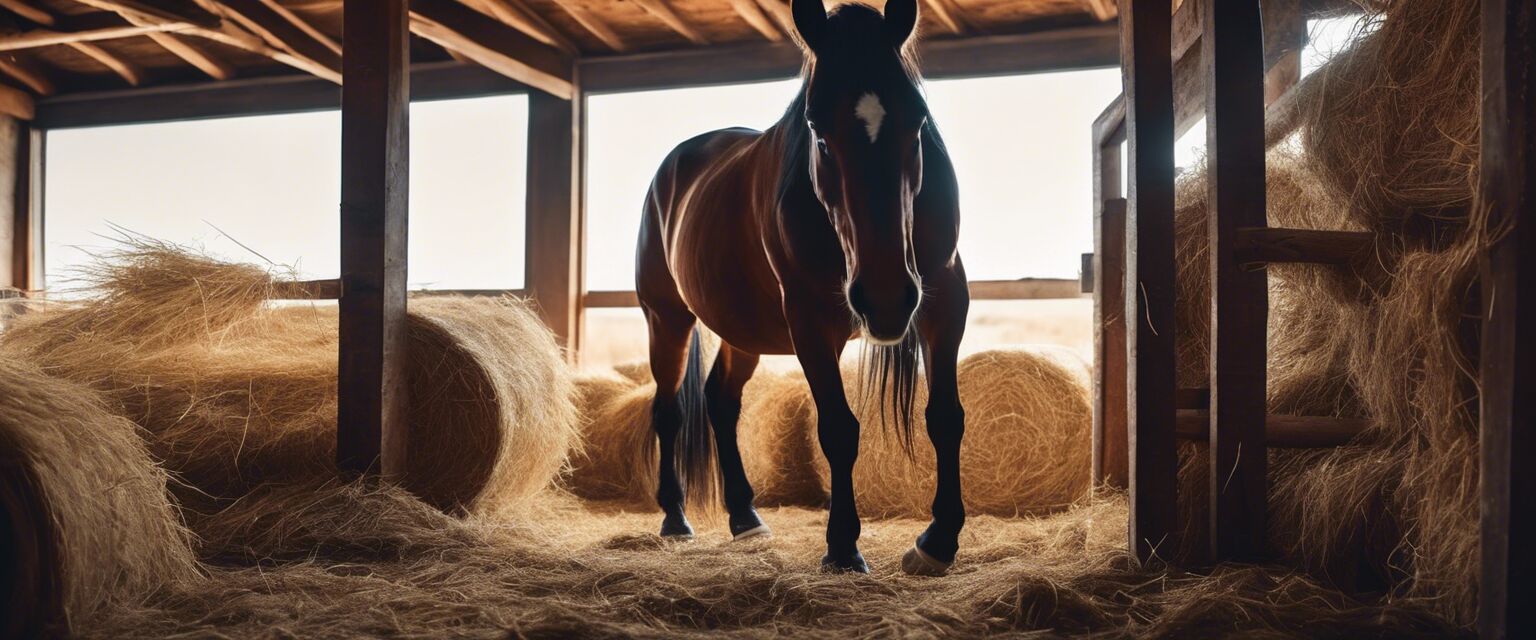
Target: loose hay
[(236, 393), (84, 517)]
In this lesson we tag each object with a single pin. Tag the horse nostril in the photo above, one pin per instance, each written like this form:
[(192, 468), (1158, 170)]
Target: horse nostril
[(856, 297), (911, 295)]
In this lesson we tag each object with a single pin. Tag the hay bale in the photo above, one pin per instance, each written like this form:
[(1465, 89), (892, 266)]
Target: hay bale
[(618, 462), (1026, 448), (84, 515), (236, 393), (777, 437)]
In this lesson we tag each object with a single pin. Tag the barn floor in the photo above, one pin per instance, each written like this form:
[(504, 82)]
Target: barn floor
[(348, 561)]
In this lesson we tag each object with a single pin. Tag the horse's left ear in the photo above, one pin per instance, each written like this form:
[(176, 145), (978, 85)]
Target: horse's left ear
[(900, 19)]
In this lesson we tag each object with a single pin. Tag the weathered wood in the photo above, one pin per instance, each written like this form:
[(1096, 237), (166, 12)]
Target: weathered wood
[(1148, 80), (128, 71), (49, 37), (555, 213), (1102, 10), (26, 207), (1026, 289), (188, 11), (1111, 454), (1234, 127), (16, 103), (610, 299), (195, 56), (781, 13), (1088, 47), (28, 74), (1109, 130), (495, 45), (1508, 354), (518, 15), (27, 10), (1282, 431), (255, 96), (371, 411), (307, 289), (664, 12), (753, 15), (303, 25), (593, 24), (948, 15), (279, 31), (1253, 246)]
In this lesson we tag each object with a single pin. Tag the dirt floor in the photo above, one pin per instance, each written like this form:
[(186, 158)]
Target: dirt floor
[(348, 561)]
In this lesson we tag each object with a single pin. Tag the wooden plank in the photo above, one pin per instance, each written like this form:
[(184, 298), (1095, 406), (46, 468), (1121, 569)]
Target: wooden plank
[(1282, 431), (1026, 289), (555, 212), (1255, 246), (1102, 10), (27, 73), (16, 103), (1067, 49), (500, 48), (48, 37), (1111, 454), (128, 71), (188, 11), (371, 411), (255, 96), (664, 12), (1234, 121), (947, 15), (1109, 128), (280, 32), (1148, 80), (518, 15), (1508, 353), (304, 25), (27, 10), (195, 56), (593, 23), (753, 15), (307, 289)]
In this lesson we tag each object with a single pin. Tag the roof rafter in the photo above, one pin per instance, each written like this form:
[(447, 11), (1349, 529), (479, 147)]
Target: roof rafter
[(497, 46), (781, 13), (312, 48), (22, 69), (26, 10), (195, 56), (593, 24), (16, 103), (128, 71), (949, 15), (304, 25), (753, 15), (160, 10), (1103, 10), (518, 15), (668, 16)]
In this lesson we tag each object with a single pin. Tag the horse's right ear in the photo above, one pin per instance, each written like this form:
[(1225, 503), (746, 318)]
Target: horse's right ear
[(810, 21)]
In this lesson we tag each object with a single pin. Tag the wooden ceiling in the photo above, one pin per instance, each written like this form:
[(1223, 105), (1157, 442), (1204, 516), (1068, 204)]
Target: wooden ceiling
[(54, 47)]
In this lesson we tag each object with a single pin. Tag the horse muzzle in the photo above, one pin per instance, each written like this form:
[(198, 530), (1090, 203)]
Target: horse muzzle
[(885, 314)]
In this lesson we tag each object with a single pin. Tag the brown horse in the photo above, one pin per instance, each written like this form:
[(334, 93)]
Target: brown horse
[(841, 219)]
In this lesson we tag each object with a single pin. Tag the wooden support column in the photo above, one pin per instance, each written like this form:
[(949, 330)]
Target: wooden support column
[(555, 211), (1233, 68), (21, 204), (375, 98), (1148, 80), (1508, 358), (1111, 463)]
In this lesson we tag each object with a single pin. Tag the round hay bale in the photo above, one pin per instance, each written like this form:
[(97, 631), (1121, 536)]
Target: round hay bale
[(638, 372), (618, 462), (84, 517), (777, 437), (236, 400), (1026, 448)]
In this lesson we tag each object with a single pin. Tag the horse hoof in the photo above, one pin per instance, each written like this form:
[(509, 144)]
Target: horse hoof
[(854, 564), (759, 531), (917, 562), (676, 528)]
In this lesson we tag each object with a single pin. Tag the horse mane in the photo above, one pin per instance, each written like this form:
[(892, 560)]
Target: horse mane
[(857, 39)]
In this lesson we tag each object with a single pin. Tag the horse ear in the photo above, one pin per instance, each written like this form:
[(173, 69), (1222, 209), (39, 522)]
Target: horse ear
[(810, 21), (900, 20)]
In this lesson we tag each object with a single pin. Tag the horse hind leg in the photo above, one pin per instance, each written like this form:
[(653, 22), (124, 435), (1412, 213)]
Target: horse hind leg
[(722, 393), (669, 346)]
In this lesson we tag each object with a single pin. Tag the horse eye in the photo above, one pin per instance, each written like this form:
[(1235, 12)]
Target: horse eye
[(821, 144)]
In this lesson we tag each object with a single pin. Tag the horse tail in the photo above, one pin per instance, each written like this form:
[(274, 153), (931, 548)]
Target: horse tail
[(695, 462), (890, 380)]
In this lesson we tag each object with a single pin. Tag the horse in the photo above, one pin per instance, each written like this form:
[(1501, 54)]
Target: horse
[(838, 221)]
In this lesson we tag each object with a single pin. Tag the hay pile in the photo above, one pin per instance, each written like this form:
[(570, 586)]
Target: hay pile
[(85, 522), (236, 393), (1026, 448), (353, 560), (1388, 142)]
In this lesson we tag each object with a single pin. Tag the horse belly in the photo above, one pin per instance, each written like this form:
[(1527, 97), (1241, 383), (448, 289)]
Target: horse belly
[(726, 280)]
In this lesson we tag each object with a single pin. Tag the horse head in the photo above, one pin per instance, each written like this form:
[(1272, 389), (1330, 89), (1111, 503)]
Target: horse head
[(866, 116)]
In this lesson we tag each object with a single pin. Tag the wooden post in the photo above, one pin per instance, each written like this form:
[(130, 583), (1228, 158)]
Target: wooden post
[(1508, 358), (1111, 463), (1234, 125), (1148, 80), (555, 212), (375, 98)]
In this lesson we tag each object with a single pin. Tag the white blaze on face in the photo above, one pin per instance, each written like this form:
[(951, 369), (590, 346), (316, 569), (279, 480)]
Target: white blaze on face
[(872, 113)]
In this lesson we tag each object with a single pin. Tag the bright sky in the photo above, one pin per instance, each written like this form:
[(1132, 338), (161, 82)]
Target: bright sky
[(1020, 145)]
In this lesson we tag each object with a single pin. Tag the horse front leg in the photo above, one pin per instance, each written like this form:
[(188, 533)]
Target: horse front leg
[(819, 347), (942, 326)]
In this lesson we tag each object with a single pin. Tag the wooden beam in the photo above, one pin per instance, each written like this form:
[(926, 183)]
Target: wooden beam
[(196, 56), (371, 410), (48, 37), (1103, 10), (16, 103), (1026, 289), (753, 15), (307, 289), (27, 73), (188, 11), (1148, 81), (26, 10), (947, 15), (1284, 32), (1111, 462), (1256, 246), (128, 71), (593, 24), (664, 12), (280, 31), (518, 15), (555, 213), (1234, 121), (254, 96), (1282, 431), (782, 14), (303, 25), (1068, 49), (495, 45), (1507, 361)]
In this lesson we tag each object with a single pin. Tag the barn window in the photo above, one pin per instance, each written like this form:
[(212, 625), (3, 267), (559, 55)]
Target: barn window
[(265, 188)]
